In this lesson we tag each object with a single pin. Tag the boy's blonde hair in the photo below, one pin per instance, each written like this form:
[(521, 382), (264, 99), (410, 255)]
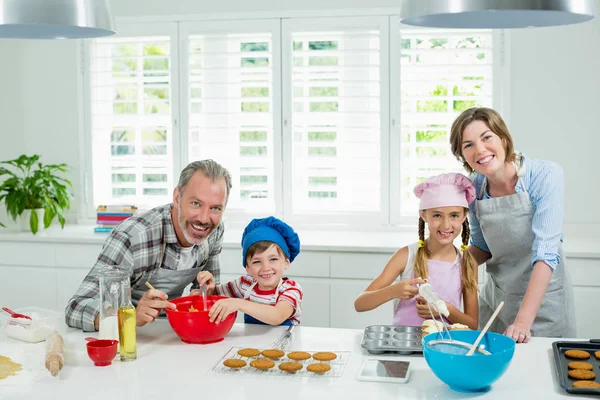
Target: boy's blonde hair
[(468, 265)]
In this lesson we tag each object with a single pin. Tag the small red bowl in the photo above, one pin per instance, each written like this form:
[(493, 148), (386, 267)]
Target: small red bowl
[(195, 327), (102, 351)]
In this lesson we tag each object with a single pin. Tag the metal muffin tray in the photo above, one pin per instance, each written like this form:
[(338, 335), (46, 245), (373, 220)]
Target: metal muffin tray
[(378, 339)]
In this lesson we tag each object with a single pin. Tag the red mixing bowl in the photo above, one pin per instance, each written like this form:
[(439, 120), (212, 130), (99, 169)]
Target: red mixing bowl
[(195, 327)]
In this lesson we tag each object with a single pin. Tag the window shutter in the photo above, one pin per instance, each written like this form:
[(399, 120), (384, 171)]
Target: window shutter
[(131, 124), (231, 111), (442, 73), (336, 121)]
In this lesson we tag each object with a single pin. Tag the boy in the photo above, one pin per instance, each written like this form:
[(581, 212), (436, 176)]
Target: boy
[(269, 245)]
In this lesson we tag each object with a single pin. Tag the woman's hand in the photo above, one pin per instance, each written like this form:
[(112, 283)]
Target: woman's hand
[(406, 290), (222, 308), (423, 309), (519, 332)]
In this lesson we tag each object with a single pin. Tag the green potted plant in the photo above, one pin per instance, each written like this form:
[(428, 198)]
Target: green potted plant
[(34, 190)]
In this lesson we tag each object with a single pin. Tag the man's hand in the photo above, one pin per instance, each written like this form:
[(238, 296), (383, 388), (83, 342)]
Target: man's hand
[(150, 305), (406, 290), (204, 278), (222, 308)]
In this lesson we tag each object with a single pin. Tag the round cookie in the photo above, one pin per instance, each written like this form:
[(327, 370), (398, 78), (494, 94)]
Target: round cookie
[(580, 365), (324, 356), (581, 374), (597, 354), (586, 384), (290, 366), (273, 353), (319, 368), (262, 363), (234, 363), (248, 352), (577, 354), (298, 355)]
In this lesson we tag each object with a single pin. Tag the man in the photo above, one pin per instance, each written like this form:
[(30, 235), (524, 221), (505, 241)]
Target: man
[(166, 246)]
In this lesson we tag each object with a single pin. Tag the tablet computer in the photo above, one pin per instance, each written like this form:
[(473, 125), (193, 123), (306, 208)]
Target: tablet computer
[(384, 371)]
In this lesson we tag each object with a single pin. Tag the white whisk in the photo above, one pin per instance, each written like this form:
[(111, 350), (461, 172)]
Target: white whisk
[(285, 339)]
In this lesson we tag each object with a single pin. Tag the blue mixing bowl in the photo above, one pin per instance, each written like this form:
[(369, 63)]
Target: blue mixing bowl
[(469, 373)]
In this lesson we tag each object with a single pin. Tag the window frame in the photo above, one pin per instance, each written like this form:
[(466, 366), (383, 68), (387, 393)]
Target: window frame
[(389, 217), (128, 30)]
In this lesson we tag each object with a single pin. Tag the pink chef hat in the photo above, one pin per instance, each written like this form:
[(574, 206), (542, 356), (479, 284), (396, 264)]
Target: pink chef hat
[(445, 190)]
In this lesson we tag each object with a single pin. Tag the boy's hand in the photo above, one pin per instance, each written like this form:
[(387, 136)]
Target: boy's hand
[(406, 290), (222, 308), (204, 278)]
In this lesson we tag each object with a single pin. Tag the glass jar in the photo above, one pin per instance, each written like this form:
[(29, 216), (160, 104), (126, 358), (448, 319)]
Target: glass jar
[(111, 280)]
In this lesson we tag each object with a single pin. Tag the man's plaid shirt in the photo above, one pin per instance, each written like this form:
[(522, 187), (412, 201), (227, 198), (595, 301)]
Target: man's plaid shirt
[(136, 245)]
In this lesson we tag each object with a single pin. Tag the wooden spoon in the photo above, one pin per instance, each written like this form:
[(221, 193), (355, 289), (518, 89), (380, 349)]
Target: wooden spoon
[(485, 328)]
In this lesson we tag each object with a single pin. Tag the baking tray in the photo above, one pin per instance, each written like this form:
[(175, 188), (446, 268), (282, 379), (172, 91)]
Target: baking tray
[(561, 362), (337, 366), (378, 339)]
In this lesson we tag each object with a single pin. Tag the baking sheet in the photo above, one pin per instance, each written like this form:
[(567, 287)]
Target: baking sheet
[(562, 362)]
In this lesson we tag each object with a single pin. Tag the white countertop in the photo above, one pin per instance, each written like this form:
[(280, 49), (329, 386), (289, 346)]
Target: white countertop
[(167, 368), (580, 241)]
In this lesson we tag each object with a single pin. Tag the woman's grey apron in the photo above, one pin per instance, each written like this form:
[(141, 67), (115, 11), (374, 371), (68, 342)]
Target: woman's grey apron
[(170, 281), (506, 224)]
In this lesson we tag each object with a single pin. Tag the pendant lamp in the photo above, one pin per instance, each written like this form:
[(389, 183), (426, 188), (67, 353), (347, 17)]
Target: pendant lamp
[(495, 14), (55, 19)]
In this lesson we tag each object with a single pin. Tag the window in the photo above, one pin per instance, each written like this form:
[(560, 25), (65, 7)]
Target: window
[(335, 116), (441, 75), (230, 107), (131, 129), (318, 120)]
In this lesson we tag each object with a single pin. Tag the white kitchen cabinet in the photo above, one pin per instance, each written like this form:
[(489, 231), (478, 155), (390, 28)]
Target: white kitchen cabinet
[(343, 315), (45, 272)]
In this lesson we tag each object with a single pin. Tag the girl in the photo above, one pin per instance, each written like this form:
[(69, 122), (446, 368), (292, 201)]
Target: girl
[(444, 204)]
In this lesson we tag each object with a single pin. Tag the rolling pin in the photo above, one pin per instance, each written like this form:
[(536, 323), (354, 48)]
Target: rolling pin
[(55, 358)]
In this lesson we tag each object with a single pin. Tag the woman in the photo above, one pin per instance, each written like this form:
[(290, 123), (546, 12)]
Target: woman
[(516, 228)]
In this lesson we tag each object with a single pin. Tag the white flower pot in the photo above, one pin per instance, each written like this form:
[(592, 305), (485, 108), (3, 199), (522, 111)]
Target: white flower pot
[(24, 219)]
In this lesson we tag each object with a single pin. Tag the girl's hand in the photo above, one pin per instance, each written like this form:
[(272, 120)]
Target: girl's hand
[(222, 308), (405, 290), (519, 332), (423, 309)]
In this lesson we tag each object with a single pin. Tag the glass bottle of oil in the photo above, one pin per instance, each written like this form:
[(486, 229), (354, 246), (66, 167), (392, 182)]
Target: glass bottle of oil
[(127, 324)]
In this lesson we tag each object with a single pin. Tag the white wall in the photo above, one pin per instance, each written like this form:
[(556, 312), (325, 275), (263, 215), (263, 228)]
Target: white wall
[(12, 137), (552, 110)]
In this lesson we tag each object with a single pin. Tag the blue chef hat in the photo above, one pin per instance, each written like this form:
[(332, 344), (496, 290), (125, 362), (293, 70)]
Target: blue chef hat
[(273, 230)]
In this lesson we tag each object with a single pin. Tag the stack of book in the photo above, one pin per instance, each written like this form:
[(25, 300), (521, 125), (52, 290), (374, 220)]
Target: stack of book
[(108, 217)]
